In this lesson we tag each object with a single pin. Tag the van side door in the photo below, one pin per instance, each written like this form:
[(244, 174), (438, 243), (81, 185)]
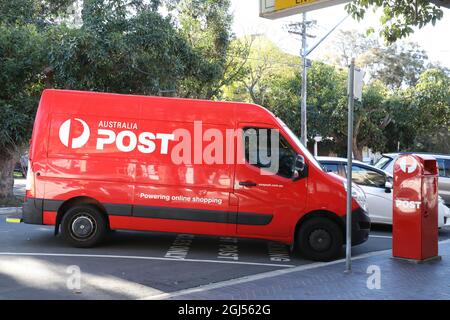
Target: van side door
[(270, 202)]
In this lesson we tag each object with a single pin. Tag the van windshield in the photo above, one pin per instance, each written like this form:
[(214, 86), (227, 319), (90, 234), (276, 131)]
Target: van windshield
[(297, 141)]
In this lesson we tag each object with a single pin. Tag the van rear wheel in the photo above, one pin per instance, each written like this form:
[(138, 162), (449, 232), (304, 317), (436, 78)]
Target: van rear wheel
[(320, 239), (83, 226)]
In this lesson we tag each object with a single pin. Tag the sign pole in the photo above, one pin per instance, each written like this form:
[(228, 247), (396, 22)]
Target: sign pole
[(303, 128), (351, 102)]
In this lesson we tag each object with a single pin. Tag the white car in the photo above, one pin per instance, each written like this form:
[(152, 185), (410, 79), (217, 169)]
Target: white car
[(377, 184)]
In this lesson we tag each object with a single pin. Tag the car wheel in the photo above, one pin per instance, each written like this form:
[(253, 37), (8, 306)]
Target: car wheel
[(83, 226), (320, 239)]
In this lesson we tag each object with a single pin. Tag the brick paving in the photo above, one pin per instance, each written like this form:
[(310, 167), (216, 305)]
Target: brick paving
[(399, 280)]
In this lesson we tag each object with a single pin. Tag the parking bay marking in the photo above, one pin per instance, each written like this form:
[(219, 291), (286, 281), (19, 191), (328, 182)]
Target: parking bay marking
[(108, 256), (278, 252), (180, 247), (228, 249)]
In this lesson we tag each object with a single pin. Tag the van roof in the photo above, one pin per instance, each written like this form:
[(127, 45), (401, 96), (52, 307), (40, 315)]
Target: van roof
[(153, 107)]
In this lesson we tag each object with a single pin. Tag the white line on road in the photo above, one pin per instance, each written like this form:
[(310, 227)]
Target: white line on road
[(38, 254), (377, 236), (258, 276)]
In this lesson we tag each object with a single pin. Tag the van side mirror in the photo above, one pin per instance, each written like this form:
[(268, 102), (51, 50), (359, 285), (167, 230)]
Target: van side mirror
[(388, 186), (299, 168)]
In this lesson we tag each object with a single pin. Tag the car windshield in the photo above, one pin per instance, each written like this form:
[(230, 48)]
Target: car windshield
[(382, 162), (297, 141)]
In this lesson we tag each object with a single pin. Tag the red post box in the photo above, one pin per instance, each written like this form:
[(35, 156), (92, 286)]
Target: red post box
[(415, 208)]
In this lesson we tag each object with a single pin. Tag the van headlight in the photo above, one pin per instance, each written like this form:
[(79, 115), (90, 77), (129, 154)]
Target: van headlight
[(359, 195)]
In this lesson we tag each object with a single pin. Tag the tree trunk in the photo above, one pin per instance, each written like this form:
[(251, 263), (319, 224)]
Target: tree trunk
[(7, 163), (357, 151)]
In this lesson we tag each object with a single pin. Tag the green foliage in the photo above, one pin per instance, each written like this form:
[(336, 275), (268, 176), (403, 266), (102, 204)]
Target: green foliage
[(403, 103), (398, 16), (120, 55), (431, 100), (22, 60), (37, 12), (265, 64), (119, 46), (206, 26)]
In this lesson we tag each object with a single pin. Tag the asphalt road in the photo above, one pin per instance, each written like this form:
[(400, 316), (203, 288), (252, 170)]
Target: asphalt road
[(34, 264)]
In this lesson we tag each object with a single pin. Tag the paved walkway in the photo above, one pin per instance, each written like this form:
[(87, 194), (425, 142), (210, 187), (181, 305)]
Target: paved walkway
[(397, 280)]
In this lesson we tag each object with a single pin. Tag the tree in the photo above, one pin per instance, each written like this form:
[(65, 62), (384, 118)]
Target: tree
[(431, 100), (206, 26), (118, 53), (399, 16), (396, 65), (263, 66), (22, 61)]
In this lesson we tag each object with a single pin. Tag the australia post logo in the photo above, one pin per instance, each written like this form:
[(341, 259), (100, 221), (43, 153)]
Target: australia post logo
[(125, 140), (408, 164), (76, 142)]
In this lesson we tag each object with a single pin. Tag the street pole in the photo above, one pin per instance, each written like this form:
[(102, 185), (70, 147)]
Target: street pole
[(351, 102), (303, 133)]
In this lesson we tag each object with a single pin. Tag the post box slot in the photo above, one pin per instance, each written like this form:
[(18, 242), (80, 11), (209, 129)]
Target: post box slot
[(429, 167)]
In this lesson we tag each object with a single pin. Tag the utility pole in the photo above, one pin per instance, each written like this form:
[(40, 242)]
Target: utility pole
[(303, 133), (301, 29)]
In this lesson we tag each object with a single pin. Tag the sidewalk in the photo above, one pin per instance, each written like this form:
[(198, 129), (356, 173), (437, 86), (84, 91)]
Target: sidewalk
[(399, 280)]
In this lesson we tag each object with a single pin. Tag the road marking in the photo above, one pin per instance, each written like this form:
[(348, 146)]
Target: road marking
[(258, 276), (180, 247), (264, 275), (39, 254), (377, 236), (228, 249), (278, 252)]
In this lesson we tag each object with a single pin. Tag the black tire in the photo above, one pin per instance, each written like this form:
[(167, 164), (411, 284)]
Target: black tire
[(83, 226), (320, 239)]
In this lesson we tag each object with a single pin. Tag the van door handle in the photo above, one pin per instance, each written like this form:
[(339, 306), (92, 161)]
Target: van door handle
[(248, 183)]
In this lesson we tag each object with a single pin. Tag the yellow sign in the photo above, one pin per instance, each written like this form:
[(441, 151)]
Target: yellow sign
[(274, 9), (285, 4)]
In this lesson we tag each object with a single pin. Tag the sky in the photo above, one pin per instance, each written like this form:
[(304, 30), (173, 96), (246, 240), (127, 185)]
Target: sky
[(434, 39)]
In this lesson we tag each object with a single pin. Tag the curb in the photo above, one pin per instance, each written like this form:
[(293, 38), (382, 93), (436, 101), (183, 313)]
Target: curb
[(10, 210)]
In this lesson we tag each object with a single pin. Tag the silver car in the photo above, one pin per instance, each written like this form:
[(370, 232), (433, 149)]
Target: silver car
[(386, 163)]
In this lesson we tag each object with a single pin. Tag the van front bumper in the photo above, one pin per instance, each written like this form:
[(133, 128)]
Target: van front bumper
[(32, 211), (360, 226)]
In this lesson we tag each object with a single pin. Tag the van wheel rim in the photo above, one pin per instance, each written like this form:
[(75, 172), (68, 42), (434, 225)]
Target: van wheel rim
[(320, 240), (83, 226)]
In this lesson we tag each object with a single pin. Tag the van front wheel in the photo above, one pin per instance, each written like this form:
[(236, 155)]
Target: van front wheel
[(83, 226), (320, 239)]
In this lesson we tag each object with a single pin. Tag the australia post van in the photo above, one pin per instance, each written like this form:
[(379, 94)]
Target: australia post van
[(101, 162)]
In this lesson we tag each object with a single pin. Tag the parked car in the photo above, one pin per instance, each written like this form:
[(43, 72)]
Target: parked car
[(386, 163), (377, 185)]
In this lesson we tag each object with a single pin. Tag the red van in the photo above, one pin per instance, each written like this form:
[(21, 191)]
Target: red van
[(102, 162)]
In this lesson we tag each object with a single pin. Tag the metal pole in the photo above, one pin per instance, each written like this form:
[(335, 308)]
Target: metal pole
[(351, 101), (303, 133)]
